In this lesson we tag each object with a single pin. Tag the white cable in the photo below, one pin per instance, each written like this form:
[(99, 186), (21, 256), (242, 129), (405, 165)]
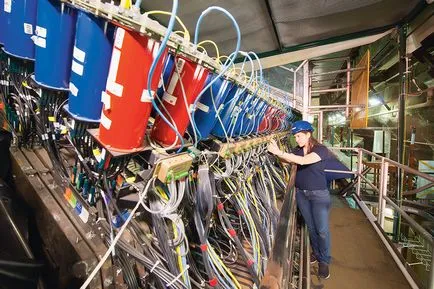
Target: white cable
[(178, 277), (118, 236)]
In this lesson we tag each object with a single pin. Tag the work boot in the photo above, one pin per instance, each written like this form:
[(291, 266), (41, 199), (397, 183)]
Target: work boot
[(323, 270), (312, 259)]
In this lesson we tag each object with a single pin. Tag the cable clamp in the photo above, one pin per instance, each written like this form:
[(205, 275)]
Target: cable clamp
[(155, 266), (177, 277)]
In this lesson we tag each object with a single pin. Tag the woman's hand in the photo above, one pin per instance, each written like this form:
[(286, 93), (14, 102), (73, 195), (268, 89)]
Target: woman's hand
[(273, 148)]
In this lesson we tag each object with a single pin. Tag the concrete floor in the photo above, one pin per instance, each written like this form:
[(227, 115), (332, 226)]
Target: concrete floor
[(359, 258)]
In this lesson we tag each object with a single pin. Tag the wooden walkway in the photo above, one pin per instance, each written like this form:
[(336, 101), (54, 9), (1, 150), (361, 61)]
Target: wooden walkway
[(359, 258)]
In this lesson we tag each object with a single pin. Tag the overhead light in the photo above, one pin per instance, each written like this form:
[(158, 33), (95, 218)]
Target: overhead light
[(374, 101)]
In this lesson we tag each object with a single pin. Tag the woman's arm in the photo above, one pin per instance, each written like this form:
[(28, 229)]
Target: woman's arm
[(291, 158)]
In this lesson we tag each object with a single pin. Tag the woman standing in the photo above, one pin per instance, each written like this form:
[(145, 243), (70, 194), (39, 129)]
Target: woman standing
[(312, 195)]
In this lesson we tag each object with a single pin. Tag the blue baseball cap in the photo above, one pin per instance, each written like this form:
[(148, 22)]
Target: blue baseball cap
[(301, 125)]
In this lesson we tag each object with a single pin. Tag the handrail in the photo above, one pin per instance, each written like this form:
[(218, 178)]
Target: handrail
[(383, 199), (279, 271)]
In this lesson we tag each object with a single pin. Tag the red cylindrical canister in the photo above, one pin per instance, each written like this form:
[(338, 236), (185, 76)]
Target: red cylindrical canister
[(276, 120), (266, 121), (127, 103), (193, 77)]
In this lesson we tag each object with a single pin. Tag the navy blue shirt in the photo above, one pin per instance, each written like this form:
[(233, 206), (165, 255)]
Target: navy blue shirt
[(312, 177)]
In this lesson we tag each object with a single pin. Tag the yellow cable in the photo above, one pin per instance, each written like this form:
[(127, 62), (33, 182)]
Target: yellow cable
[(215, 258), (213, 43), (204, 50), (186, 33)]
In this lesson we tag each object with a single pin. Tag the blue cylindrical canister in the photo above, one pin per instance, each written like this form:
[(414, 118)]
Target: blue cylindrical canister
[(20, 19), (54, 41), (92, 51), (247, 124), (2, 22), (211, 100), (239, 121), (229, 111)]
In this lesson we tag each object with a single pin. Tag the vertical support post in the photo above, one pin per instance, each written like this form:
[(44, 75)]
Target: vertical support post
[(383, 191), (294, 92), (401, 124), (347, 101), (320, 126), (306, 90), (431, 274), (359, 171)]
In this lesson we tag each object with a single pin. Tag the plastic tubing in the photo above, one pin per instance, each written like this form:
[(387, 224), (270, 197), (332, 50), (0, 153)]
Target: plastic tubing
[(227, 64), (154, 65)]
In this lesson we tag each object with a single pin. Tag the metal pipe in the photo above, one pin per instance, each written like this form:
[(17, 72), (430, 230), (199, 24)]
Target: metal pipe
[(347, 98), (418, 190), (301, 65), (320, 126), (370, 184), (335, 106), (386, 243), (306, 91), (342, 172), (431, 273), (391, 162), (359, 171), (348, 69), (401, 123), (383, 191), (424, 233), (328, 90), (17, 231)]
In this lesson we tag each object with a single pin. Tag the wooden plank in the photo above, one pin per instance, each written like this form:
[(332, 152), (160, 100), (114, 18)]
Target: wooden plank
[(359, 92), (62, 241)]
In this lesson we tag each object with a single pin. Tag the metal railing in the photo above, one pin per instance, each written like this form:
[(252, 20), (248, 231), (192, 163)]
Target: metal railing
[(379, 186), (280, 269)]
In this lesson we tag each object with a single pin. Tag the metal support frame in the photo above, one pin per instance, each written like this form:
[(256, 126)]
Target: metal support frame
[(383, 191), (347, 98), (359, 171), (306, 91), (401, 123), (320, 126)]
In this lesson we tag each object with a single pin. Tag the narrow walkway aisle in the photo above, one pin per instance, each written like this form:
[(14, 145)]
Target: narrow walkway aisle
[(359, 258)]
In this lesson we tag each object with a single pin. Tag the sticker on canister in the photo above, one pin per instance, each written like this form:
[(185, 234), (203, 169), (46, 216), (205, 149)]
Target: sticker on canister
[(8, 6), (28, 28), (73, 89), (170, 98), (79, 54)]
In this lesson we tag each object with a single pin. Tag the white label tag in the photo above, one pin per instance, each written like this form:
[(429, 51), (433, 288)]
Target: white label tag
[(41, 31), (202, 107), (112, 86), (39, 41), (115, 88), (28, 28), (146, 97), (73, 89), (77, 68), (4, 82), (84, 215), (105, 121), (105, 99), (8, 6), (119, 40), (169, 98), (79, 54)]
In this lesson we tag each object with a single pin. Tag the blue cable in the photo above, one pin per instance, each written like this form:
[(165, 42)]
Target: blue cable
[(154, 65), (225, 67)]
